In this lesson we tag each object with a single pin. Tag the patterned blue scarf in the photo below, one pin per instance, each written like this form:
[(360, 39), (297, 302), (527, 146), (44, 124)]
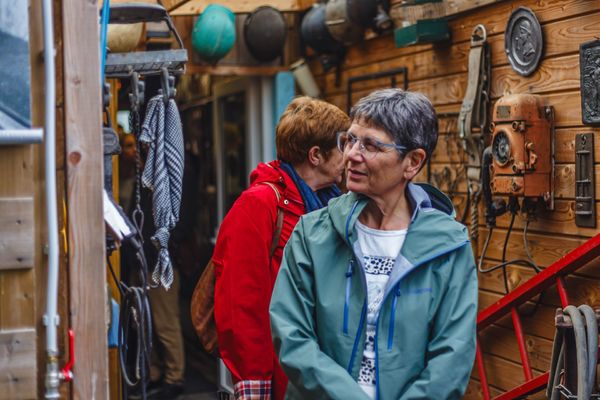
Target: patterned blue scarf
[(312, 200)]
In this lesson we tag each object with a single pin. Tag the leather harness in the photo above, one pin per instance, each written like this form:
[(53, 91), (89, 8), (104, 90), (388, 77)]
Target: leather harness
[(473, 117)]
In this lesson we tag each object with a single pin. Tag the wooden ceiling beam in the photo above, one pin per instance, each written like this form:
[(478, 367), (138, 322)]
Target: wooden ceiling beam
[(195, 7), (237, 70)]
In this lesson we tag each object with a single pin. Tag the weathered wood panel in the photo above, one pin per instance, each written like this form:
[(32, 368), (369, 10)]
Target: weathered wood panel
[(16, 233), (562, 37), (505, 345), (17, 364), (439, 71), (561, 220), (587, 290), (449, 148), (17, 287), (508, 374), (494, 18), (446, 95), (540, 323), (84, 192)]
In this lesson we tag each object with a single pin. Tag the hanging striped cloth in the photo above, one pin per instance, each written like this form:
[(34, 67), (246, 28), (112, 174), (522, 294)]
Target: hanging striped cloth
[(163, 174)]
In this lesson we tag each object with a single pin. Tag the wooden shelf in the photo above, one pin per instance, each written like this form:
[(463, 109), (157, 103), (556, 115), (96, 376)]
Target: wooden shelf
[(234, 70), (195, 7)]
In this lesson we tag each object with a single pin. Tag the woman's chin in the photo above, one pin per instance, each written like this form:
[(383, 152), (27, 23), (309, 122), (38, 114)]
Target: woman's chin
[(354, 186)]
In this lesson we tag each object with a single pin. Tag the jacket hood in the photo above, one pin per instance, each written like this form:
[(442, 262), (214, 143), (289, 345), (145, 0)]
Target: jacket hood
[(272, 173), (267, 172), (432, 230)]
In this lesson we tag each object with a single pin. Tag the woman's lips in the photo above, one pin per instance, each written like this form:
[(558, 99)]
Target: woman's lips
[(355, 173)]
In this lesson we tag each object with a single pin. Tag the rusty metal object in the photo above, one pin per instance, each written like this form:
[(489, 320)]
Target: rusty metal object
[(522, 147)]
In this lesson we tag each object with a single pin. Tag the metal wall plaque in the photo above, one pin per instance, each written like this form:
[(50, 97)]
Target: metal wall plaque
[(523, 41), (589, 64), (585, 204)]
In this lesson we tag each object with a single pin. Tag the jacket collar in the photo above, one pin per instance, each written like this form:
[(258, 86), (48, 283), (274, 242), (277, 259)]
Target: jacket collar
[(272, 173), (432, 230)]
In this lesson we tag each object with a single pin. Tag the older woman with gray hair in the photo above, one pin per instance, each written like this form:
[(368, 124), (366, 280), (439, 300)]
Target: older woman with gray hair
[(376, 297)]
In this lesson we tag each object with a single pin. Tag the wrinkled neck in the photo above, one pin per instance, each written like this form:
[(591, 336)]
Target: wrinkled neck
[(389, 212), (310, 176)]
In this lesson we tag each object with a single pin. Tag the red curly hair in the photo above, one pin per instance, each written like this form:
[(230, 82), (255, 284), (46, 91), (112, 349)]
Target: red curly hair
[(305, 123)]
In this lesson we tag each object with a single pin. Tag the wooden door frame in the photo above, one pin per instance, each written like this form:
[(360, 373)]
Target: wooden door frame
[(84, 164), (250, 88)]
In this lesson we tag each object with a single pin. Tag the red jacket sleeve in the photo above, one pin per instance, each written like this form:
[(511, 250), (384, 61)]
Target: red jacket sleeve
[(244, 285)]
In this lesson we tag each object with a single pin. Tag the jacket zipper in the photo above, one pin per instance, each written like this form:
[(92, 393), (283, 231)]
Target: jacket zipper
[(347, 299), (392, 314), (356, 338), (394, 310)]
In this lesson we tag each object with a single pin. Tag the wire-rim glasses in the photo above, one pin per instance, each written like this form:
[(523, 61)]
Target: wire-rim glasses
[(368, 147)]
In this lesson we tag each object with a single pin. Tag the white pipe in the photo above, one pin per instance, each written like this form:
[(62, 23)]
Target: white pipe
[(21, 136), (51, 319)]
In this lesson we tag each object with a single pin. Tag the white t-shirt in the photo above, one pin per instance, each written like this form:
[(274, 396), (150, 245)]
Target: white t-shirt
[(380, 250)]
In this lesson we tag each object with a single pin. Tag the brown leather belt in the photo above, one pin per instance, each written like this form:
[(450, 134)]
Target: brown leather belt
[(473, 117)]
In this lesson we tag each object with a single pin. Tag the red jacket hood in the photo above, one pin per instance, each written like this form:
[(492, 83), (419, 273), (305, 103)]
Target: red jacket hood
[(272, 173)]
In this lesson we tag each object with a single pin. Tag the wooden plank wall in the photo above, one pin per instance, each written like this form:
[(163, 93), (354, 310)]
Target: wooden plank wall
[(20, 304), (439, 71)]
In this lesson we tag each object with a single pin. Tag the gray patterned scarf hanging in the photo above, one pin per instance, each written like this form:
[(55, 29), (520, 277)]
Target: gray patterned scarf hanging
[(163, 173)]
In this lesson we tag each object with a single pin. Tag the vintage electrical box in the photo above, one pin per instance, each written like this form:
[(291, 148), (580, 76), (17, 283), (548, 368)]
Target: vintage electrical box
[(523, 147)]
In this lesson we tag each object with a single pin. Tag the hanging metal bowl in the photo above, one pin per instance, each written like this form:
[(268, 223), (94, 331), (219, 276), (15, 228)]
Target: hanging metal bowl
[(315, 34), (339, 24), (362, 12), (265, 30)]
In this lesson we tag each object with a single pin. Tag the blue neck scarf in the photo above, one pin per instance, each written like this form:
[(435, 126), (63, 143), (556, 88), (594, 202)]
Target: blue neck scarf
[(312, 200)]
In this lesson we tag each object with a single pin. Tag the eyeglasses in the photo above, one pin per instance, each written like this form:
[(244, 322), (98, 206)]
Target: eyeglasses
[(368, 147)]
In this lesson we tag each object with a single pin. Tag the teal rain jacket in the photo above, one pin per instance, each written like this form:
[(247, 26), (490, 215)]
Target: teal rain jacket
[(425, 337)]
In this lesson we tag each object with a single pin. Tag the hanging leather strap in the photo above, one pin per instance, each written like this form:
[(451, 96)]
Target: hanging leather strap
[(473, 117), (279, 221)]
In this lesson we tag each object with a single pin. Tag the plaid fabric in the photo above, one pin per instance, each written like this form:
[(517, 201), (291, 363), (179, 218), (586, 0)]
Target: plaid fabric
[(252, 390), (163, 174)]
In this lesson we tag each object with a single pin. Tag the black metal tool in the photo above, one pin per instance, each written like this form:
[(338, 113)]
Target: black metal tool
[(121, 65), (585, 207), (391, 73)]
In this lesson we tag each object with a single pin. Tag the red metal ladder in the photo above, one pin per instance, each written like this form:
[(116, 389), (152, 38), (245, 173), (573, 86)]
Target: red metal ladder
[(550, 276)]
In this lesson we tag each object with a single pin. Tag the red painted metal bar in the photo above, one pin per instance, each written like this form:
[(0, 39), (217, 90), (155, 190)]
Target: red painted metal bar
[(565, 265), (531, 386), (485, 390), (562, 292), (521, 342)]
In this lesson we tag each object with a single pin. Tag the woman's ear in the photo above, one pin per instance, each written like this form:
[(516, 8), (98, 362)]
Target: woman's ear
[(314, 156), (414, 162)]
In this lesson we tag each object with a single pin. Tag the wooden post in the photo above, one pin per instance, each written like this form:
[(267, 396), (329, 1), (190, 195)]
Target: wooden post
[(83, 125)]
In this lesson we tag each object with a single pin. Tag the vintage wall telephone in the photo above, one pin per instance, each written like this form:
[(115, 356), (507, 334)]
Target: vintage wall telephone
[(518, 165), (522, 147), (520, 162)]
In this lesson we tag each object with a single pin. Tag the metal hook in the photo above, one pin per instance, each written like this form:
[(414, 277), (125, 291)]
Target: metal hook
[(136, 97), (168, 85), (475, 37)]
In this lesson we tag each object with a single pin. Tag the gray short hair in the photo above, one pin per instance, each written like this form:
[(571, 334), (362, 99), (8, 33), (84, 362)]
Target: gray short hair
[(408, 117)]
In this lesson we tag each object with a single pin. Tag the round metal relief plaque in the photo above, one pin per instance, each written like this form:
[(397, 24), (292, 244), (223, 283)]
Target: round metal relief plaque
[(523, 41)]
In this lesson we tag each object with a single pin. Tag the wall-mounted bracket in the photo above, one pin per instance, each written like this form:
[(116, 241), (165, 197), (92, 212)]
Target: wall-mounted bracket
[(585, 205)]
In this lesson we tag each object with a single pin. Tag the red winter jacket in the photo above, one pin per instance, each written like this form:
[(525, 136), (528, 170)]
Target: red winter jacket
[(245, 276)]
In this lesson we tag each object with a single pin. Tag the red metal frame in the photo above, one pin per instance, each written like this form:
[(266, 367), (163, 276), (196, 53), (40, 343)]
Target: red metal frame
[(526, 388), (552, 275)]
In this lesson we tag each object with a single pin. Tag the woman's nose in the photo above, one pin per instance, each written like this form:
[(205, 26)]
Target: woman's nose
[(354, 153)]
